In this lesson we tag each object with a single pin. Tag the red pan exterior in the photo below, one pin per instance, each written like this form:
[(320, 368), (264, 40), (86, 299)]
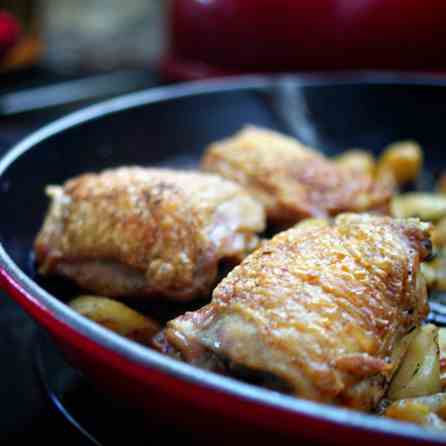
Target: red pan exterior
[(211, 38), (204, 410)]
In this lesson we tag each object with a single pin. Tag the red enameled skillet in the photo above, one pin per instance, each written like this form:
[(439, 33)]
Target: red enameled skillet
[(171, 126)]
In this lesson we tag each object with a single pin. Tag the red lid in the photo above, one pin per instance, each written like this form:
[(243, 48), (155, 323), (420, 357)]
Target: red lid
[(9, 31), (215, 37)]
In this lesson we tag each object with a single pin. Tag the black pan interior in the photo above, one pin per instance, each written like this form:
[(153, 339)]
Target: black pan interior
[(175, 131)]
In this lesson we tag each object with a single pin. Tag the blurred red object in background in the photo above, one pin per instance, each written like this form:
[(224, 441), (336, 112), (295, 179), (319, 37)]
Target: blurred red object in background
[(9, 32), (218, 37)]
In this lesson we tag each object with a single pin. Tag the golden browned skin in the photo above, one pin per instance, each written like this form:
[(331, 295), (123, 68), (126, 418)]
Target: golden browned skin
[(319, 310), (294, 181), (142, 232)]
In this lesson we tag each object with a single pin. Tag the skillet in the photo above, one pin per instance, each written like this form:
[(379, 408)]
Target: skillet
[(170, 126)]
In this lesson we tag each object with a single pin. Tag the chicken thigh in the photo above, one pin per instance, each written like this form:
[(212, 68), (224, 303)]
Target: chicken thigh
[(139, 232), (319, 311), (294, 181)]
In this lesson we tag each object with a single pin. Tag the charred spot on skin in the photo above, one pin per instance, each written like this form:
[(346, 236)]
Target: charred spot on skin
[(431, 256), (159, 342), (427, 246), (163, 186), (417, 369), (382, 406)]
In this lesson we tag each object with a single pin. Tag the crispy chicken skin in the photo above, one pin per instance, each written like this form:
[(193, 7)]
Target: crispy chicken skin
[(318, 311), (294, 181), (138, 232)]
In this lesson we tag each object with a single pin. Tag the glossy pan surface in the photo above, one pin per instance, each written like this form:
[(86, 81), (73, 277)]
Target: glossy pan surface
[(170, 126)]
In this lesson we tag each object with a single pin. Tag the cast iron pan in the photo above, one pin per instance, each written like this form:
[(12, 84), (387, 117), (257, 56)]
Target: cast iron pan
[(170, 126)]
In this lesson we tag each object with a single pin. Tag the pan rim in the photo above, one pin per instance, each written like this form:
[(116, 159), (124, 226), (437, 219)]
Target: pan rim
[(153, 360)]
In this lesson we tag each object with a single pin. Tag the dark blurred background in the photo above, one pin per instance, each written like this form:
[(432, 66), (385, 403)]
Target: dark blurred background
[(82, 35)]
